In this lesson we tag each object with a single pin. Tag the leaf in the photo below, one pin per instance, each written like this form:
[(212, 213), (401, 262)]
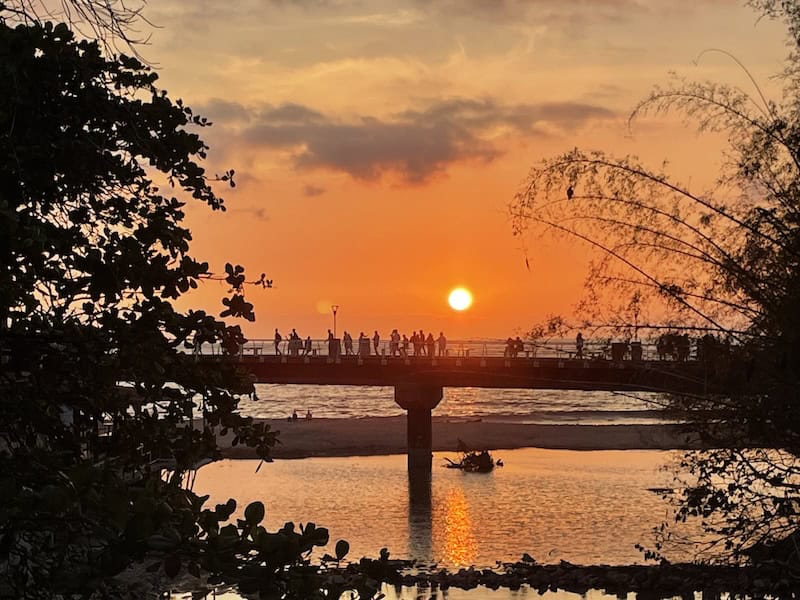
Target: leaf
[(342, 548), (320, 536), (153, 568), (172, 565), (254, 513), (224, 511), (194, 569)]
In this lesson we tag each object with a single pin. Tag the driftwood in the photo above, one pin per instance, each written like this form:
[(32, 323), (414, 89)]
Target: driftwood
[(472, 461)]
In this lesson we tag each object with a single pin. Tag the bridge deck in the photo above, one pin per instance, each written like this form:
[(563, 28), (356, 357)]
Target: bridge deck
[(485, 372)]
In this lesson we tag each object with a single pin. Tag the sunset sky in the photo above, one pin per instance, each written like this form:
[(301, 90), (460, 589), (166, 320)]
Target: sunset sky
[(377, 144)]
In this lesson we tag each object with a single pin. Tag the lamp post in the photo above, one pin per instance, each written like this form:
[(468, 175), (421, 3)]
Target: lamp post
[(334, 308)]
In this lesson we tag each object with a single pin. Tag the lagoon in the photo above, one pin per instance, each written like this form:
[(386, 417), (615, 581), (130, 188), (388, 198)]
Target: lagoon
[(588, 507)]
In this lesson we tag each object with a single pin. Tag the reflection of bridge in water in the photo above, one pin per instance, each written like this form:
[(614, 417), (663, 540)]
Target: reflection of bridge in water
[(418, 381)]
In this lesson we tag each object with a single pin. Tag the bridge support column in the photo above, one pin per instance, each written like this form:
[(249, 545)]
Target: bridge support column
[(418, 401)]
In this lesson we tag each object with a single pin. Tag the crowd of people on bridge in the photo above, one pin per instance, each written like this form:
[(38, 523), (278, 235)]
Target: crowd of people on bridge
[(671, 345), (295, 344), (514, 347), (417, 344)]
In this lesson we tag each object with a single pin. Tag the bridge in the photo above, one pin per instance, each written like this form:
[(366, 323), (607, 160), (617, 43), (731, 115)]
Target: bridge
[(419, 380)]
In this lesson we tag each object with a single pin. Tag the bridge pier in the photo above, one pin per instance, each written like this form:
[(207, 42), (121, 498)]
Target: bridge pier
[(418, 401)]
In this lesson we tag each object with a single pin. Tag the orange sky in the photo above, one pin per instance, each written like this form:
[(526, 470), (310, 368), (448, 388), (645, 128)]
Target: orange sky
[(377, 144)]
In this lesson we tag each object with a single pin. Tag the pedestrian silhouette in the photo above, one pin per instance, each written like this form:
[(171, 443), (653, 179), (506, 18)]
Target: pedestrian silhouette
[(348, 344)]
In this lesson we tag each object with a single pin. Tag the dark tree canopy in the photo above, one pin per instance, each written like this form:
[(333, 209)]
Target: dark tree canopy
[(116, 24), (724, 260), (105, 411), (97, 391)]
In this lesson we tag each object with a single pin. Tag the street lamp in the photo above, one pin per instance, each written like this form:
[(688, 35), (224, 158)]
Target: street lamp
[(334, 308)]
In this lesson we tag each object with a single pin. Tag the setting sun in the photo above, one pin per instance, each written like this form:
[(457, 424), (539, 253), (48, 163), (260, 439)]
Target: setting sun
[(460, 299)]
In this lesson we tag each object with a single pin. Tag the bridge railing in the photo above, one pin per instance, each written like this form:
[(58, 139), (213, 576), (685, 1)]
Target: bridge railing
[(592, 349)]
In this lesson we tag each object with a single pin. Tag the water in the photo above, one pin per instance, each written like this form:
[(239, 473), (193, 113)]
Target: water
[(526, 406), (583, 507), (479, 593)]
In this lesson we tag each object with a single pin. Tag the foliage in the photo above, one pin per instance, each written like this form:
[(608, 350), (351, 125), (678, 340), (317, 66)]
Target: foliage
[(725, 261), (97, 390), (114, 23)]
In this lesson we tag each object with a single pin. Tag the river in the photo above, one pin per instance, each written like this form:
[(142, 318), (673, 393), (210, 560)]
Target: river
[(582, 507)]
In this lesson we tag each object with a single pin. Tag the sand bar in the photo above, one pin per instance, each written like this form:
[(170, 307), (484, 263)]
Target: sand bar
[(387, 435)]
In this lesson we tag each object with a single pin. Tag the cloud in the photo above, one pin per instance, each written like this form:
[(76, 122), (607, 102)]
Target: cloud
[(311, 190), (224, 110), (415, 144), (408, 12)]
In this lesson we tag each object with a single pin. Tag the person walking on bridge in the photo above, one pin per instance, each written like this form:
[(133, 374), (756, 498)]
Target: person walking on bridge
[(431, 343), (278, 340), (376, 341), (579, 346), (442, 344), (519, 346), (363, 344), (415, 342), (333, 347), (348, 344)]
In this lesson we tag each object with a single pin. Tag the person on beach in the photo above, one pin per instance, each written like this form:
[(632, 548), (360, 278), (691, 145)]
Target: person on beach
[(278, 340), (579, 345), (442, 344), (431, 343), (376, 341)]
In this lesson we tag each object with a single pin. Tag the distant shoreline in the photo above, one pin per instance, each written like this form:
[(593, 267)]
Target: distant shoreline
[(371, 436)]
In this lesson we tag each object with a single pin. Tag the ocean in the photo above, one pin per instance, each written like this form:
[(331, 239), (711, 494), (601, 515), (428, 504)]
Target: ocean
[(521, 406)]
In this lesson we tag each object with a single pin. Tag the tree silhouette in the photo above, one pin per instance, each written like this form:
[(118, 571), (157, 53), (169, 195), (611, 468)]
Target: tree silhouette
[(724, 261), (104, 413)]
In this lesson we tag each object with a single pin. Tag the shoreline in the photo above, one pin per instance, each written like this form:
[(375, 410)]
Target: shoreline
[(373, 436)]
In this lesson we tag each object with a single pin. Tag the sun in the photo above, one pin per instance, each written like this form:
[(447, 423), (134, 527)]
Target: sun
[(460, 299)]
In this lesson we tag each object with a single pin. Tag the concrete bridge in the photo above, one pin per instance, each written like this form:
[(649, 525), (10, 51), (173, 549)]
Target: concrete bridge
[(418, 381)]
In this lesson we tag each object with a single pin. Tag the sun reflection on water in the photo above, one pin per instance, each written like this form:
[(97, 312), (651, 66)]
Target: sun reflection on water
[(460, 547)]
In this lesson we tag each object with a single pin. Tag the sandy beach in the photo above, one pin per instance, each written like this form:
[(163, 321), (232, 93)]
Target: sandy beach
[(387, 435)]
